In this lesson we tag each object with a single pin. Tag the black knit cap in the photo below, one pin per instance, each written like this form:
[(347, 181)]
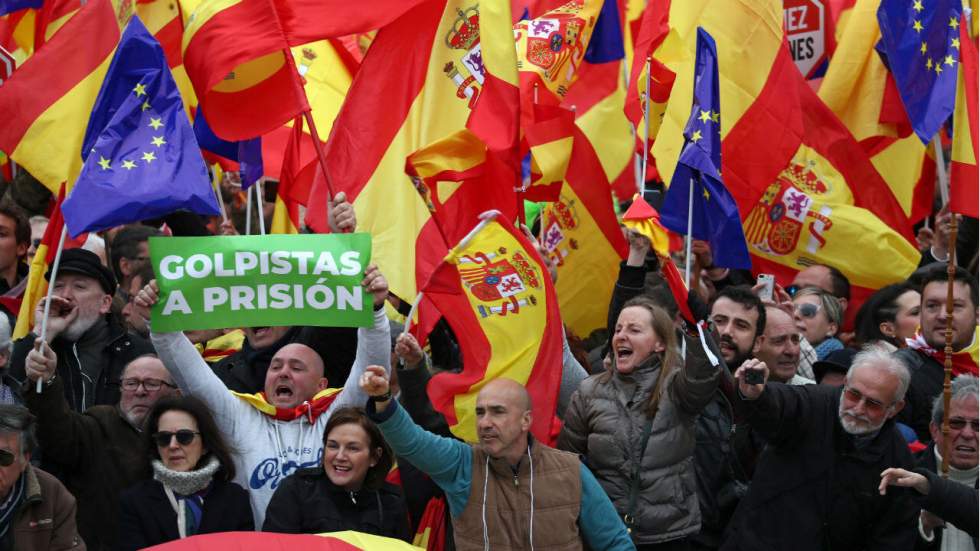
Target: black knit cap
[(86, 263)]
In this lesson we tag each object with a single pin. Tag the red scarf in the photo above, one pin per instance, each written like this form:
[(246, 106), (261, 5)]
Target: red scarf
[(964, 361), (311, 408)]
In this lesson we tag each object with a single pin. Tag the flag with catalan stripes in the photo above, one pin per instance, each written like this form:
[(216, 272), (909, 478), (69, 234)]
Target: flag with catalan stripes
[(498, 298)]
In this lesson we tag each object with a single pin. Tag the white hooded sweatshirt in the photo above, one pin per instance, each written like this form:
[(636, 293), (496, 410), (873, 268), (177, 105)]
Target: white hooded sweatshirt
[(267, 450)]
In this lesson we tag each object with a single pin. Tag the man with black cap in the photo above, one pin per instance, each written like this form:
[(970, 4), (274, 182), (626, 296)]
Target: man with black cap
[(92, 345), (832, 370)]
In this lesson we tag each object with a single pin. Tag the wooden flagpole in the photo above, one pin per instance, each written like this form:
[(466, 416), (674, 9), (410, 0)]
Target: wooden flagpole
[(951, 275)]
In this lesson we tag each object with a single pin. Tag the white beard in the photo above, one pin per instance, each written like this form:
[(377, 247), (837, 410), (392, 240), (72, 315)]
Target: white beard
[(78, 327)]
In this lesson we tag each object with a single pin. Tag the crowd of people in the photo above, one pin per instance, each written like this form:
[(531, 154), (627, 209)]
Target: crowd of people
[(798, 420)]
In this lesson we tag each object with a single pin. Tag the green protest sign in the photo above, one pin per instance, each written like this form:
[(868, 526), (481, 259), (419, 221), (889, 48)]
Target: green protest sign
[(261, 280)]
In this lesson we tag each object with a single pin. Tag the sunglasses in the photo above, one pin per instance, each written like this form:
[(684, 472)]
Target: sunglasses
[(163, 438), (6, 458), (955, 423), (870, 404), (807, 310)]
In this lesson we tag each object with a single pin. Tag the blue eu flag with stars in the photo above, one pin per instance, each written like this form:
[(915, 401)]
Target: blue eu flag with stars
[(140, 156), (920, 41), (714, 214)]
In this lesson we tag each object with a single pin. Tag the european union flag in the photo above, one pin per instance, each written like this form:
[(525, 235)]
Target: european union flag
[(606, 43), (141, 159), (715, 216), (248, 153), (8, 6), (920, 40)]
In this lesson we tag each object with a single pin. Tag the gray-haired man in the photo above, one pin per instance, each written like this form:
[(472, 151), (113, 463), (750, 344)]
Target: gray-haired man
[(816, 484)]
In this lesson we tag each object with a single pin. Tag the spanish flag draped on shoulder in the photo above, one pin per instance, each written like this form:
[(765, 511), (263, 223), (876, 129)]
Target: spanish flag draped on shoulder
[(236, 54), (498, 298), (47, 100)]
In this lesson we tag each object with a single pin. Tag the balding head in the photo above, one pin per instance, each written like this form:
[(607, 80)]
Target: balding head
[(147, 370), (294, 376), (503, 419)]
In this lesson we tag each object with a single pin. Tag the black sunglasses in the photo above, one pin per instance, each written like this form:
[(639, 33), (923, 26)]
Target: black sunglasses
[(955, 423), (6, 458), (163, 438)]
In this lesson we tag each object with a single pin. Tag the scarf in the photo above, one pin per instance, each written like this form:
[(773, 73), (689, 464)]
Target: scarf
[(310, 408), (827, 346), (10, 504), (186, 482), (964, 361)]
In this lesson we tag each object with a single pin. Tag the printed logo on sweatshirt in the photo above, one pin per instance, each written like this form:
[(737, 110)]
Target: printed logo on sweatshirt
[(271, 471)]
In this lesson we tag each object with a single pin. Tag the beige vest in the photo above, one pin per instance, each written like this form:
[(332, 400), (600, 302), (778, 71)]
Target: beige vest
[(557, 492)]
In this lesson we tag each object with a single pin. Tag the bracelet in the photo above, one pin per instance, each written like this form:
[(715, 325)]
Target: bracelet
[(50, 381), (383, 398)]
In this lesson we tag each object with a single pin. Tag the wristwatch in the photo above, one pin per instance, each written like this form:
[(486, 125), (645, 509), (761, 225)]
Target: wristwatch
[(383, 398)]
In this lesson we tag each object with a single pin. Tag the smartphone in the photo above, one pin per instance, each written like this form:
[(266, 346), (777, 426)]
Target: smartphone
[(768, 281), (754, 377)]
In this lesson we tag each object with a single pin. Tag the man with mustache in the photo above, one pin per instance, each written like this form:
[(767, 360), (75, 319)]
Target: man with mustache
[(925, 354), (816, 482)]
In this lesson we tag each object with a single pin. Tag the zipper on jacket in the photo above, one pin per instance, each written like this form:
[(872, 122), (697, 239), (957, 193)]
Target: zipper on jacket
[(74, 349)]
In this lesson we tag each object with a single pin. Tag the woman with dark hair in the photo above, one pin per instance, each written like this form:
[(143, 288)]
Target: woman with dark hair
[(888, 317), (347, 492), (191, 491), (634, 425)]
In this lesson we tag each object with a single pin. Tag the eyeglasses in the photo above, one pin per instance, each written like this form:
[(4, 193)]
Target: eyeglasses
[(6, 458), (807, 310), (184, 437), (873, 406), (151, 385), (958, 423)]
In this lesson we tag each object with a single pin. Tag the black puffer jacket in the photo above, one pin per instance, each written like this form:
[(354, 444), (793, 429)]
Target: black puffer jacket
[(308, 503)]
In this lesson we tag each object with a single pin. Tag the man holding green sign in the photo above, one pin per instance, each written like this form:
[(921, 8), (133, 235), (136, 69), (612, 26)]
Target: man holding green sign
[(268, 280), (261, 280)]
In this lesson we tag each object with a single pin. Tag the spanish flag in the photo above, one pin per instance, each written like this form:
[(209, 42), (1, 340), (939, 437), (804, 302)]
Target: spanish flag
[(860, 91), (498, 298), (963, 197), (419, 82), (247, 87), (550, 140), (285, 216), (580, 233), (48, 100)]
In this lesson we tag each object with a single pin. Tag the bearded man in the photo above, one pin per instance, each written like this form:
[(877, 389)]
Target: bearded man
[(91, 344), (815, 485)]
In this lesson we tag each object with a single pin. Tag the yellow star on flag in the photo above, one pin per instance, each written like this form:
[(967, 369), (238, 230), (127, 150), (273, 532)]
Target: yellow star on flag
[(128, 165), (929, 63), (938, 68), (917, 5), (917, 25), (955, 43), (924, 48), (696, 136), (104, 163), (155, 123), (954, 23), (158, 141), (949, 60), (705, 116), (140, 89), (149, 157), (145, 106), (715, 116), (707, 196)]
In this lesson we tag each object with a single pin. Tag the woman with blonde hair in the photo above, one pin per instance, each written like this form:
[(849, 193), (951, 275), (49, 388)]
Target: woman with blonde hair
[(634, 425)]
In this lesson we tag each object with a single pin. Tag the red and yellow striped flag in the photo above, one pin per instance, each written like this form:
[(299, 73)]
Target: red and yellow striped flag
[(963, 194), (249, 87), (581, 235), (498, 298), (48, 100)]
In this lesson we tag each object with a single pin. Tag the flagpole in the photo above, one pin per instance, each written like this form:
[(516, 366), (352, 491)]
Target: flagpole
[(248, 211), (646, 133), (690, 221), (259, 205), (411, 312), (941, 170), (951, 278), (47, 301)]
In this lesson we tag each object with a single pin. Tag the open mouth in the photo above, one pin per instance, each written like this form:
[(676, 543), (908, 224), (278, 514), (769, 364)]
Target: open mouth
[(283, 391), (260, 331), (624, 353), (341, 468), (965, 449)]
